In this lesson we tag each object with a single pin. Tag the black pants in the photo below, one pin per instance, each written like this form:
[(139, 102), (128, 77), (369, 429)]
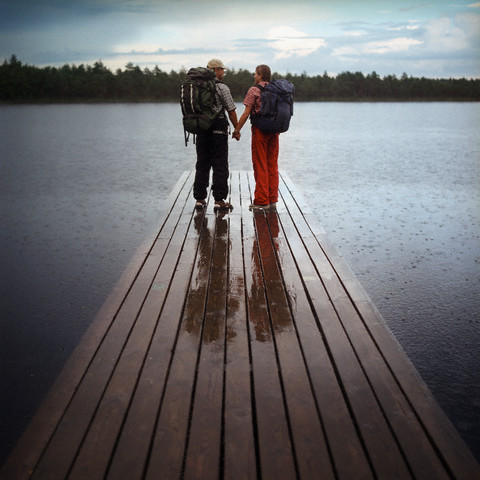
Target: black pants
[(212, 153)]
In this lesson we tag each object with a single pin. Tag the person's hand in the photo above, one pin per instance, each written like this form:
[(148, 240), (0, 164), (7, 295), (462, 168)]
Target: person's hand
[(236, 135)]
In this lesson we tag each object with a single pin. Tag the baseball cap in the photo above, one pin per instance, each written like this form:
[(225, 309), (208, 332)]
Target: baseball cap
[(216, 63)]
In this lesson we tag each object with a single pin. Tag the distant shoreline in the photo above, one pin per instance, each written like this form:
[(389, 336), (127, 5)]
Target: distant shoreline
[(94, 101), (20, 83)]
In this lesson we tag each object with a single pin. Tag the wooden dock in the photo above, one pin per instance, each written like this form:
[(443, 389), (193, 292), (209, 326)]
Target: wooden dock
[(240, 346)]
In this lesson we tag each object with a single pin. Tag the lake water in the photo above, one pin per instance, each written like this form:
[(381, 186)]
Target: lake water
[(395, 185)]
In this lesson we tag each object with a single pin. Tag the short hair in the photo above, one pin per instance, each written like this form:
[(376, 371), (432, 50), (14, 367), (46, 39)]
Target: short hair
[(264, 72)]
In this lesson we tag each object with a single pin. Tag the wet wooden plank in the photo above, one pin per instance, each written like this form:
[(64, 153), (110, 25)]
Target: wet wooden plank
[(307, 431), (239, 436), (438, 447), (275, 448), (32, 444), (348, 456), (421, 458), (140, 422), (239, 345), (171, 429), (205, 436), (384, 454), (93, 417)]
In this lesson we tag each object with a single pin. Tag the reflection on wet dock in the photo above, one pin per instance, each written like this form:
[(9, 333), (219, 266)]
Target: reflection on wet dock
[(239, 345)]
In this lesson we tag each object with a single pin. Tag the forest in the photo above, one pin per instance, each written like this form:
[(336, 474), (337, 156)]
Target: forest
[(22, 83)]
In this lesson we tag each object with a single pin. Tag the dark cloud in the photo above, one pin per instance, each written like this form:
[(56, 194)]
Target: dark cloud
[(388, 37)]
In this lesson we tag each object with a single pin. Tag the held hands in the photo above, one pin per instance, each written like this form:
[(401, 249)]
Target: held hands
[(236, 135)]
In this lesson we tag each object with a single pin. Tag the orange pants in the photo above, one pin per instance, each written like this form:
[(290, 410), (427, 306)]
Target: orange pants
[(265, 166)]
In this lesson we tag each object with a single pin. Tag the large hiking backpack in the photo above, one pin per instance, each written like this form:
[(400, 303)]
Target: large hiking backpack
[(277, 106), (197, 99)]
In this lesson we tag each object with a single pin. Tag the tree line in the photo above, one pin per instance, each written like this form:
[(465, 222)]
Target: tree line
[(21, 83)]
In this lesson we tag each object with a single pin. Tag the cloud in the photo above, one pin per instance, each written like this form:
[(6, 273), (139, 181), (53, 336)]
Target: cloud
[(400, 44), (379, 47), (391, 38), (287, 41), (355, 33), (411, 25), (444, 35)]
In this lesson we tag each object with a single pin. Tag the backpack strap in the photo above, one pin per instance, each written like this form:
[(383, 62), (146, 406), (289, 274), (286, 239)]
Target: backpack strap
[(261, 88)]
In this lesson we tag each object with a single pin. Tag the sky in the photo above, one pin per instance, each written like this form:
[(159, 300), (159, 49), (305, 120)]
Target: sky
[(431, 38)]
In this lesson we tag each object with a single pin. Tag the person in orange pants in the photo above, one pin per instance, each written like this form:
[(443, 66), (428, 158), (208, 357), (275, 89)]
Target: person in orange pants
[(265, 167), (265, 146)]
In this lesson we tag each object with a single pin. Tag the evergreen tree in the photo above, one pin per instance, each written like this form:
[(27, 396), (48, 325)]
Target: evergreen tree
[(71, 83)]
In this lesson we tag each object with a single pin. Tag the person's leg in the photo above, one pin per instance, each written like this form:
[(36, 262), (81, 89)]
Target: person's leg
[(202, 167), (220, 166), (272, 163), (260, 168)]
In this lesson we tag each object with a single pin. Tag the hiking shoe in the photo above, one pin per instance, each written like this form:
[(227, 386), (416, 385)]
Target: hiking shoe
[(222, 205), (200, 204), (255, 206)]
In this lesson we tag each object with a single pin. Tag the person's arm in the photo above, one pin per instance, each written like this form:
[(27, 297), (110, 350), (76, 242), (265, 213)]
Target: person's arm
[(227, 103), (243, 119), (232, 115)]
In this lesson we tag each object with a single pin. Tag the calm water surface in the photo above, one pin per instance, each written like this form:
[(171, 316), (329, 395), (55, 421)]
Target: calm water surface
[(396, 186)]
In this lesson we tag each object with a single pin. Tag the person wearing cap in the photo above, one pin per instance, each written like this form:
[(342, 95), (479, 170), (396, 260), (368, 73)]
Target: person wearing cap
[(212, 146)]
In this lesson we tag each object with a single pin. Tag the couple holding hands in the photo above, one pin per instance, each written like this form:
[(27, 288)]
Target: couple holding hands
[(212, 146)]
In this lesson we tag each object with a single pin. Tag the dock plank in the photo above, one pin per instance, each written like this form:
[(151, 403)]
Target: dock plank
[(382, 449), (439, 430), (307, 433), (274, 443), (139, 425), (348, 457), (239, 436), (205, 438), (239, 345), (171, 430), (94, 389), (394, 406)]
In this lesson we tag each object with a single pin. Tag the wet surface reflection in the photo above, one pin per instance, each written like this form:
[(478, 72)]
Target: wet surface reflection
[(198, 287), (216, 289), (265, 288), (206, 298)]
